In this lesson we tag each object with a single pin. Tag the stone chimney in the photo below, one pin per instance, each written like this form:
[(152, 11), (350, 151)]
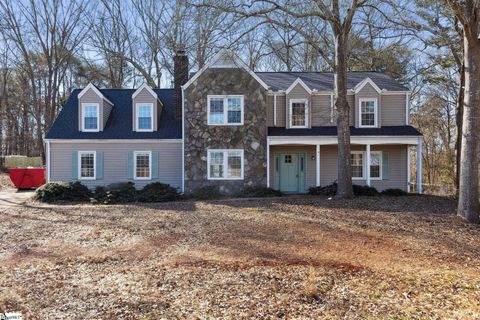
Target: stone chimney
[(180, 77)]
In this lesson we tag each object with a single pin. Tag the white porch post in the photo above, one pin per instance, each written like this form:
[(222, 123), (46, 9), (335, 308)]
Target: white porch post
[(408, 168), (419, 165), (317, 165), (368, 165), (268, 164)]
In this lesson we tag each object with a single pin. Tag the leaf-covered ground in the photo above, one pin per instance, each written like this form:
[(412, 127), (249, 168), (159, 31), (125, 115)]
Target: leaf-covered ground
[(5, 182), (284, 258)]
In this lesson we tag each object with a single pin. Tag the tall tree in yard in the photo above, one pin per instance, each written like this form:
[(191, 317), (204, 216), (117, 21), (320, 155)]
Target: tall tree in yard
[(468, 13)]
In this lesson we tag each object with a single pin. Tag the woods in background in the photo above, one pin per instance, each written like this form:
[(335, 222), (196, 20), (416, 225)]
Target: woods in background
[(50, 47)]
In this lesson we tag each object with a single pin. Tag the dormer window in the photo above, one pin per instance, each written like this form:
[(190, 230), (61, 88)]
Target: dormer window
[(368, 113), (144, 113), (90, 114), (225, 110), (298, 113)]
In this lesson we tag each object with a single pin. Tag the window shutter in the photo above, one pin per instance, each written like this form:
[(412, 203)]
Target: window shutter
[(74, 165), (385, 166), (154, 165), (99, 165), (130, 166)]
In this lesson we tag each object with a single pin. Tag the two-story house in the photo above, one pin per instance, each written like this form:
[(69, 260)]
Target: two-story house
[(232, 127)]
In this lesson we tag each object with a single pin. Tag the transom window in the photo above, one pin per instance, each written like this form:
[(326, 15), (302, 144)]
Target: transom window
[(368, 112), (358, 166), (144, 117), (298, 113), (90, 121), (225, 164), (87, 161), (143, 165), (225, 110)]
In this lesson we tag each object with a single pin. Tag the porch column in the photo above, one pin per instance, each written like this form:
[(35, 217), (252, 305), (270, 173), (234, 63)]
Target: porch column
[(367, 160), (268, 164), (419, 165), (408, 168), (317, 165)]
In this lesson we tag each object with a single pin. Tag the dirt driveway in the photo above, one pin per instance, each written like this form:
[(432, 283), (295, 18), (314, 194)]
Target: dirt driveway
[(287, 258), (14, 198)]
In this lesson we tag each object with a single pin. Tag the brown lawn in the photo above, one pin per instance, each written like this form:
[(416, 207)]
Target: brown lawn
[(291, 258)]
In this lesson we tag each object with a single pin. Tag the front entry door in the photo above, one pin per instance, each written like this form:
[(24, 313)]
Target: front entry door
[(292, 172)]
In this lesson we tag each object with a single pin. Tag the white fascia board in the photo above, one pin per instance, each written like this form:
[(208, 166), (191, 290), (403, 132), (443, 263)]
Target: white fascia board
[(97, 92), (74, 141), (295, 83), (362, 84), (237, 62), (333, 140)]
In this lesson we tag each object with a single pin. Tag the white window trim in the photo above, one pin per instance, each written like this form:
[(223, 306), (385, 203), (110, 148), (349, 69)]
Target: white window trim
[(291, 102), (225, 163), (364, 165), (375, 109), (137, 118), (84, 105), (225, 110), (79, 162), (135, 154)]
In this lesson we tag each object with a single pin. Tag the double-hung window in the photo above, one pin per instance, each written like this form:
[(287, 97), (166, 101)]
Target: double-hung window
[(358, 165), (142, 165), (144, 113), (298, 113), (225, 110), (90, 115), (87, 161), (368, 112), (225, 164)]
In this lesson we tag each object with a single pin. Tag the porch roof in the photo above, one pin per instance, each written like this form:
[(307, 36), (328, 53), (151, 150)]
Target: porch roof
[(332, 131)]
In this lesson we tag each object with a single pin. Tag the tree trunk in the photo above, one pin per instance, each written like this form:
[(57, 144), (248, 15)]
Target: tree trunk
[(468, 203), (344, 180), (459, 123)]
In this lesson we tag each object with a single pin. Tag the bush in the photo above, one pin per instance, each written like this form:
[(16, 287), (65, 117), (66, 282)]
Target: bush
[(329, 190), (260, 192), (394, 192), (206, 193), (122, 192), (157, 192), (364, 190), (59, 191)]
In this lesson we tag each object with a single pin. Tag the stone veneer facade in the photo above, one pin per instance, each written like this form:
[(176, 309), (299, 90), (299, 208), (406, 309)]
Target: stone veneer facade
[(251, 136)]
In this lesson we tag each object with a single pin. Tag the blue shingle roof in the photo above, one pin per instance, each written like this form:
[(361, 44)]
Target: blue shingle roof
[(332, 131), (119, 124)]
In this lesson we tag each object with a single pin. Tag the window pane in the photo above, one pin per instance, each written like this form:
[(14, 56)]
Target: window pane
[(87, 165), (144, 117), (234, 110), (216, 111), (375, 165), (368, 113), (90, 117), (357, 165), (142, 165), (298, 114), (216, 164), (234, 164)]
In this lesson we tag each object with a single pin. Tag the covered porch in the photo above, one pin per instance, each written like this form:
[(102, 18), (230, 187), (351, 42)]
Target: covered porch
[(297, 163)]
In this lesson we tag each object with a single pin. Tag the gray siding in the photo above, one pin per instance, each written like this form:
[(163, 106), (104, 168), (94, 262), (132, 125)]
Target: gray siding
[(107, 109), (115, 161), (145, 97), (367, 92), (281, 110), (91, 97), (328, 165), (320, 110), (270, 111), (298, 92), (393, 110)]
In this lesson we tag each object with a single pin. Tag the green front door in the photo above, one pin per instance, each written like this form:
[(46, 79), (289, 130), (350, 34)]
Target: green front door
[(292, 172)]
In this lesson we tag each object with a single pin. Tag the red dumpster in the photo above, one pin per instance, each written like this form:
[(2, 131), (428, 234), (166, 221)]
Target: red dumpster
[(27, 178)]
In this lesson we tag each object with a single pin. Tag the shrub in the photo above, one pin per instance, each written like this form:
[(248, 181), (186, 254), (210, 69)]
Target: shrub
[(206, 193), (364, 190), (157, 192), (394, 192), (329, 190), (121, 192), (59, 191), (260, 192)]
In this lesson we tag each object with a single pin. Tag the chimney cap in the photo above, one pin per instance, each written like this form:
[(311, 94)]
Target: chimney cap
[(180, 52)]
